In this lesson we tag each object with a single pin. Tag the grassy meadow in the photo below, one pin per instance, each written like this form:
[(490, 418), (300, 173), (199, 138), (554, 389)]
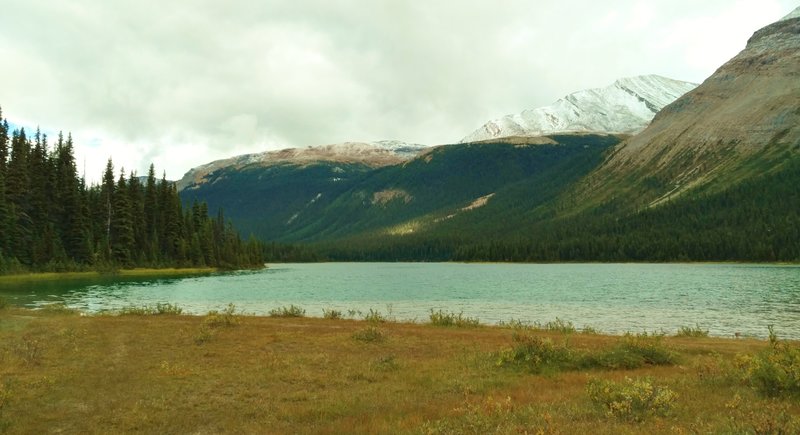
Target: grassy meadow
[(153, 370)]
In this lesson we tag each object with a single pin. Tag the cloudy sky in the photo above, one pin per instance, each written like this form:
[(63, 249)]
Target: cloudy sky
[(182, 82)]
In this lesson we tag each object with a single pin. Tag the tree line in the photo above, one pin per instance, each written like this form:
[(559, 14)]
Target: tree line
[(50, 220)]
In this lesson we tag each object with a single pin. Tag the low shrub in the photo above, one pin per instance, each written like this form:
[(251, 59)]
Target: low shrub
[(774, 371), (692, 332), (374, 316), (516, 324), (29, 350), (370, 334), (3, 303), (631, 400), (148, 310), (558, 325), (588, 330), (386, 363), (633, 351), (775, 417), (224, 318), (442, 318), (536, 354), (290, 311), (331, 314)]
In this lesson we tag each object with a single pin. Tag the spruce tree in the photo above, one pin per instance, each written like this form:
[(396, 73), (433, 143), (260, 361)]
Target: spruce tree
[(18, 196), (106, 209), (122, 237), (3, 143), (151, 213)]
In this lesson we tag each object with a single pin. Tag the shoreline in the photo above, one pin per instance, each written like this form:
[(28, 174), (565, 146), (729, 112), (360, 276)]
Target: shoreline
[(122, 273)]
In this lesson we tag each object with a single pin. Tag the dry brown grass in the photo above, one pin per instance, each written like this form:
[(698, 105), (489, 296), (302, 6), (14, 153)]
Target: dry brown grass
[(123, 374)]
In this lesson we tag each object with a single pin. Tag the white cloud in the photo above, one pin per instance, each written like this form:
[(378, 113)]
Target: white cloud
[(184, 82)]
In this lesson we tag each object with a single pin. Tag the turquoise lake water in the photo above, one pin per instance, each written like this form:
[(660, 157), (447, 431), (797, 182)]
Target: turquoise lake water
[(613, 298)]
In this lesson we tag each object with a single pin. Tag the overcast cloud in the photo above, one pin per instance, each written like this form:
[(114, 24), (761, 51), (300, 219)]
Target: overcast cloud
[(182, 82)]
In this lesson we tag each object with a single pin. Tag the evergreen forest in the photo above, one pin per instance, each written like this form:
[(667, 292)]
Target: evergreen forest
[(50, 220)]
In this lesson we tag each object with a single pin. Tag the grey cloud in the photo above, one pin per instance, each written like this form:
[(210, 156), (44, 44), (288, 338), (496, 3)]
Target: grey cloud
[(223, 77)]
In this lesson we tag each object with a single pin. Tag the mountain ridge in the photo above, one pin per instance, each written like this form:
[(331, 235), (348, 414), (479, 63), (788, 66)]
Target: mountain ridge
[(624, 107)]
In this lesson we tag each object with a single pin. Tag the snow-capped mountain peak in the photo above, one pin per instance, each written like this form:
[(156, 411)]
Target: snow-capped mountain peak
[(626, 106)]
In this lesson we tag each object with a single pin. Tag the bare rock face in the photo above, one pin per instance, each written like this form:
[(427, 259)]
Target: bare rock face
[(749, 108)]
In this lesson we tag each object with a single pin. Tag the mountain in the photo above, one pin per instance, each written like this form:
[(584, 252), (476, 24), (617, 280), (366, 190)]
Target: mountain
[(368, 154), (742, 121), (329, 200), (626, 107), (713, 177)]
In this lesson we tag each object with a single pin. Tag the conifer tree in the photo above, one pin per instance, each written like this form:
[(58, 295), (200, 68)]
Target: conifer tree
[(122, 237), (18, 195), (106, 208), (3, 143)]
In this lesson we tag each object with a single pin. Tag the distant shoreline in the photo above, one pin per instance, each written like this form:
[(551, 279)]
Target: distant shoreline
[(123, 273)]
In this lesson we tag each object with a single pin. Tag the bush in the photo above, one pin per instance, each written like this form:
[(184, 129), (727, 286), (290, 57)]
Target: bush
[(562, 326), (147, 310), (331, 314), (224, 318), (774, 371), (374, 316), (370, 334), (29, 349), (441, 318), (693, 332), (633, 351), (3, 303), (290, 311), (632, 400), (536, 354)]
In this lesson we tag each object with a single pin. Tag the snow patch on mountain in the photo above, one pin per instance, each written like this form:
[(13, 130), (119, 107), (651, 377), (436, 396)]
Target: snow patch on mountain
[(626, 107), (793, 14)]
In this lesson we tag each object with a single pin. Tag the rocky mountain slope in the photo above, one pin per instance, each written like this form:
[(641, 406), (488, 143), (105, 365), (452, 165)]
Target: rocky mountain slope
[(626, 106), (743, 120), (369, 154)]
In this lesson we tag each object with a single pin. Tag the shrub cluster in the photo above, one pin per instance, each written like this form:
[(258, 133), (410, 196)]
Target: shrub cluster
[(149, 310), (290, 311), (370, 334), (449, 319), (331, 314), (631, 400), (693, 332), (774, 371), (539, 354)]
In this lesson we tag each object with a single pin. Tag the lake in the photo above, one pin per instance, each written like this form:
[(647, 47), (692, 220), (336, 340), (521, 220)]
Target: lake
[(613, 298)]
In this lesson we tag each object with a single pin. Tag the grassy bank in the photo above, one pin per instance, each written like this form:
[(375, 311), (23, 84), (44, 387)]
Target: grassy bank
[(226, 373), (129, 273)]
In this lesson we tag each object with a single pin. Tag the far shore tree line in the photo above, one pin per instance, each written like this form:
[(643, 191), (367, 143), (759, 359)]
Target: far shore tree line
[(50, 220)]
